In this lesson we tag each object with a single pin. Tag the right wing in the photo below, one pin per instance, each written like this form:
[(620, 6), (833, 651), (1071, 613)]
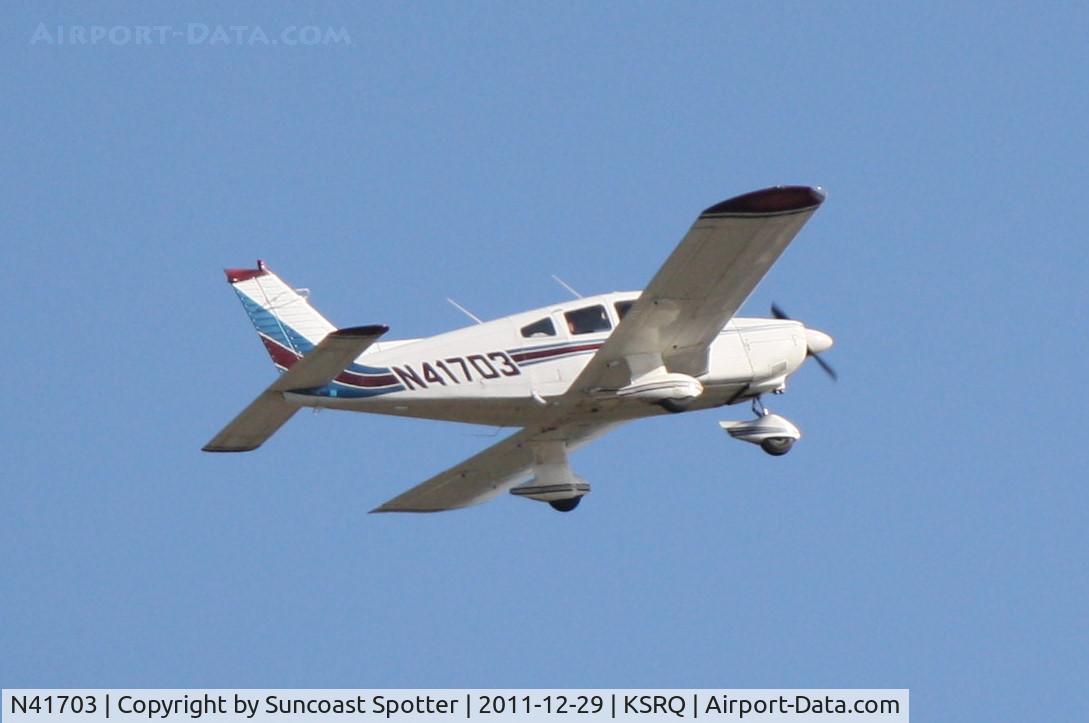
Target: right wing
[(486, 474), (270, 410), (702, 284)]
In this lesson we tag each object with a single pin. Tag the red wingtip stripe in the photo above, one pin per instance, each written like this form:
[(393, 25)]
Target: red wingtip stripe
[(236, 275)]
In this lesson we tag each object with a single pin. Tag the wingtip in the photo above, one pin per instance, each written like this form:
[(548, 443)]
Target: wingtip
[(235, 276), (386, 508), (368, 330), (778, 199)]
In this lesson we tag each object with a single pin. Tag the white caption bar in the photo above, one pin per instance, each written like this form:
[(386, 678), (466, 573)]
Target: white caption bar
[(441, 706)]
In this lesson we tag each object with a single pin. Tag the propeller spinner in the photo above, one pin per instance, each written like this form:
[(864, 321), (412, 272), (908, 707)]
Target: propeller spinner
[(816, 342)]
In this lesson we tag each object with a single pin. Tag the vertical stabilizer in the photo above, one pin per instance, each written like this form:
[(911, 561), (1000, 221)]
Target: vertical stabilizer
[(285, 321)]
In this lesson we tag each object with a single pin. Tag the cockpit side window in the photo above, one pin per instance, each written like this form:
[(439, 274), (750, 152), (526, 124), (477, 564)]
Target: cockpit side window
[(588, 321), (544, 327), (623, 307)]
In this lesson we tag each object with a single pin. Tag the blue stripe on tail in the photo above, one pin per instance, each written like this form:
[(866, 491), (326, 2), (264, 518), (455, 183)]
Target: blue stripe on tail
[(274, 328)]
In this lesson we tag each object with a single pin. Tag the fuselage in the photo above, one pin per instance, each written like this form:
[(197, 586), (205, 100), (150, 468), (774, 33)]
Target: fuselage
[(513, 370)]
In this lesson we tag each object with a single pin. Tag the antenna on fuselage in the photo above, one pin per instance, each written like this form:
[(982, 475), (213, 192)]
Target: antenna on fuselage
[(566, 285), (465, 311)]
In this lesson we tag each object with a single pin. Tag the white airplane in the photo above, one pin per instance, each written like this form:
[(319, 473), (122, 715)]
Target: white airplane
[(564, 374)]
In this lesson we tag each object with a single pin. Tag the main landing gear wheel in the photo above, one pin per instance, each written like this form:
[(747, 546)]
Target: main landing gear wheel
[(671, 405), (777, 446), (565, 505)]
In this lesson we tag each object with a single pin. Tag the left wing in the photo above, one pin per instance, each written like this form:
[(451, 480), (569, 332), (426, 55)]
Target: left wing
[(484, 475), (702, 284)]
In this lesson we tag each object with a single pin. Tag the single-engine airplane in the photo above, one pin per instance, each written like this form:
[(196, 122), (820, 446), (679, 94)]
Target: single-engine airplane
[(564, 374)]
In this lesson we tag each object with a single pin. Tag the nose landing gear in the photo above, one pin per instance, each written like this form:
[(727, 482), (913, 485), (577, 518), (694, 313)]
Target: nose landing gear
[(776, 435)]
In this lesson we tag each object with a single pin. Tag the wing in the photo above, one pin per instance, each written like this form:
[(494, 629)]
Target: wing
[(490, 472), (270, 410), (702, 284)]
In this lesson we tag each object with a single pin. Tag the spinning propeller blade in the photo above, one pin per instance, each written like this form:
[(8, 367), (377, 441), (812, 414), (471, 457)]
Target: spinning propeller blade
[(825, 366)]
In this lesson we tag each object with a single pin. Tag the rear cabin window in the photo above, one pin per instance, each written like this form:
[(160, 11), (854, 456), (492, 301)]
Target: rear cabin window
[(544, 327), (588, 321), (623, 307)]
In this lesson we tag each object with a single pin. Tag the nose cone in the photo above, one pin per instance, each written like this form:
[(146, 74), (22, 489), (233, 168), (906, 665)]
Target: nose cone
[(817, 341)]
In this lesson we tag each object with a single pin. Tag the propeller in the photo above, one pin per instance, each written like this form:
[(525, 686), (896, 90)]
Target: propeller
[(816, 342)]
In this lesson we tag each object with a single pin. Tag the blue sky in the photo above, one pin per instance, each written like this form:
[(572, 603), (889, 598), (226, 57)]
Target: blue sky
[(926, 533)]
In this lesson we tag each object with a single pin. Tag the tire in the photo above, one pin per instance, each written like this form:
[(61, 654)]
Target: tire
[(565, 505), (777, 446)]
